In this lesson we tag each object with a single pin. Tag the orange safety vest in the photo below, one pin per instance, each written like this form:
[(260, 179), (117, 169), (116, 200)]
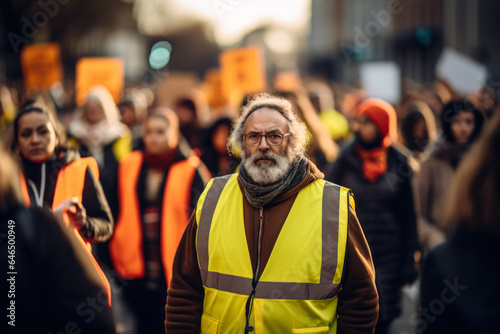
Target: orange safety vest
[(70, 182), (126, 244)]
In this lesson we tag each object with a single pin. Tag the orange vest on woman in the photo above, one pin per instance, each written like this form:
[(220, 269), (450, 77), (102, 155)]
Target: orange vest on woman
[(70, 183), (126, 245)]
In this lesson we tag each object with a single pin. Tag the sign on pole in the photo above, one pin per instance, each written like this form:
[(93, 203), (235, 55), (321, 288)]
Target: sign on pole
[(242, 72), (107, 72), (382, 80), (463, 74), (41, 66)]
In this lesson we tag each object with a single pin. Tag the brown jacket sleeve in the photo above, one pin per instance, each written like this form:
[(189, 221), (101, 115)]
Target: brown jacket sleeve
[(185, 294), (358, 300)]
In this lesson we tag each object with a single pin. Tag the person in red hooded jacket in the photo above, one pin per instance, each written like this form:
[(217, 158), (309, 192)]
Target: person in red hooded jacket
[(380, 177)]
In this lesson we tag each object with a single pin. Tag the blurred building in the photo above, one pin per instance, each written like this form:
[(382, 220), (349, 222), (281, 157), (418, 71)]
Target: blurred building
[(325, 38), (105, 28), (345, 34)]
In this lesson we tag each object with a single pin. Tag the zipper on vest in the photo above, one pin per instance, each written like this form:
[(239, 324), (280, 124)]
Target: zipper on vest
[(255, 280), (259, 243)]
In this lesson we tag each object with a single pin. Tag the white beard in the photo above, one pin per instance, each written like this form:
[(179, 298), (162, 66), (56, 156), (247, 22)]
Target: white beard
[(266, 173)]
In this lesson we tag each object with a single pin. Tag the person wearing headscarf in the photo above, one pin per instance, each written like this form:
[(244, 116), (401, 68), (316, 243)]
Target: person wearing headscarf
[(97, 131), (380, 176), (418, 129)]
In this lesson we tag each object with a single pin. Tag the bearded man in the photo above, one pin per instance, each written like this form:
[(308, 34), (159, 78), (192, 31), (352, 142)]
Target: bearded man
[(273, 248)]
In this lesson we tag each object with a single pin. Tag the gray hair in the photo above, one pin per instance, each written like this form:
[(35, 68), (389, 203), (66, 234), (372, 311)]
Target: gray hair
[(297, 129)]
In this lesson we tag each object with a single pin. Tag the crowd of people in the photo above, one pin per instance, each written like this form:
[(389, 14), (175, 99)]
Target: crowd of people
[(228, 223)]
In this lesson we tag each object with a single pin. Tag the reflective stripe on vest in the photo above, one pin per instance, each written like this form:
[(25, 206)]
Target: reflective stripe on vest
[(126, 244), (69, 184), (303, 273)]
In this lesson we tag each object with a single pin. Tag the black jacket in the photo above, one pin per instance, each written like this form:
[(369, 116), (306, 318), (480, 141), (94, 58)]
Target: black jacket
[(99, 224), (52, 283), (386, 213), (459, 285)]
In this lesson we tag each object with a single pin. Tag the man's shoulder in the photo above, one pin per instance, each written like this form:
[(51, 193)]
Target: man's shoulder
[(225, 177), (221, 181), (326, 183)]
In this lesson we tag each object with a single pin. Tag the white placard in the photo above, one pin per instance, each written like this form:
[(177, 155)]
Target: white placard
[(462, 73), (382, 80)]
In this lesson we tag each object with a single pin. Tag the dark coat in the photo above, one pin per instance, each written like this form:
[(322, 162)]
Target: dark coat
[(54, 286), (459, 285), (386, 213)]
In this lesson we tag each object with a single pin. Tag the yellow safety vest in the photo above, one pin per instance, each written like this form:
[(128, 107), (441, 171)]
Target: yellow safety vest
[(298, 289)]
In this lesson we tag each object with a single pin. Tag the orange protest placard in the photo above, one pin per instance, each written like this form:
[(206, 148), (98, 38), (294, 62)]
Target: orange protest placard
[(213, 89), (242, 72), (107, 72), (41, 66)]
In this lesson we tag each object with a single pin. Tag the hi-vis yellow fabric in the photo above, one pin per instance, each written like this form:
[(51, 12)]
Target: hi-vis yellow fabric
[(297, 291)]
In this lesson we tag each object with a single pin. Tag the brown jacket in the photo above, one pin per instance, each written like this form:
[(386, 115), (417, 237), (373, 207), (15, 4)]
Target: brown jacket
[(358, 299), (433, 185)]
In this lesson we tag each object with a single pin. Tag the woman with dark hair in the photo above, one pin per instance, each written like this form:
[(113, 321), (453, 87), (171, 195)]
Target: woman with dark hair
[(460, 277), (50, 278), (380, 177), (97, 132), (214, 151), (56, 178), (461, 123)]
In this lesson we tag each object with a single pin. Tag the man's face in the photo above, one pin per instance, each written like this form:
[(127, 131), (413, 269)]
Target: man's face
[(264, 163)]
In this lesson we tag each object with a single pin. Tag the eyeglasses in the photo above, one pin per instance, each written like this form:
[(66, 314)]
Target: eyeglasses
[(273, 139)]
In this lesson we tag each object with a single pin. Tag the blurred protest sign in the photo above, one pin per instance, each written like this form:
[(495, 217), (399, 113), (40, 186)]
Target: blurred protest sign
[(288, 81), (41, 65), (174, 86), (242, 72), (462, 73), (107, 72), (382, 80), (212, 87)]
